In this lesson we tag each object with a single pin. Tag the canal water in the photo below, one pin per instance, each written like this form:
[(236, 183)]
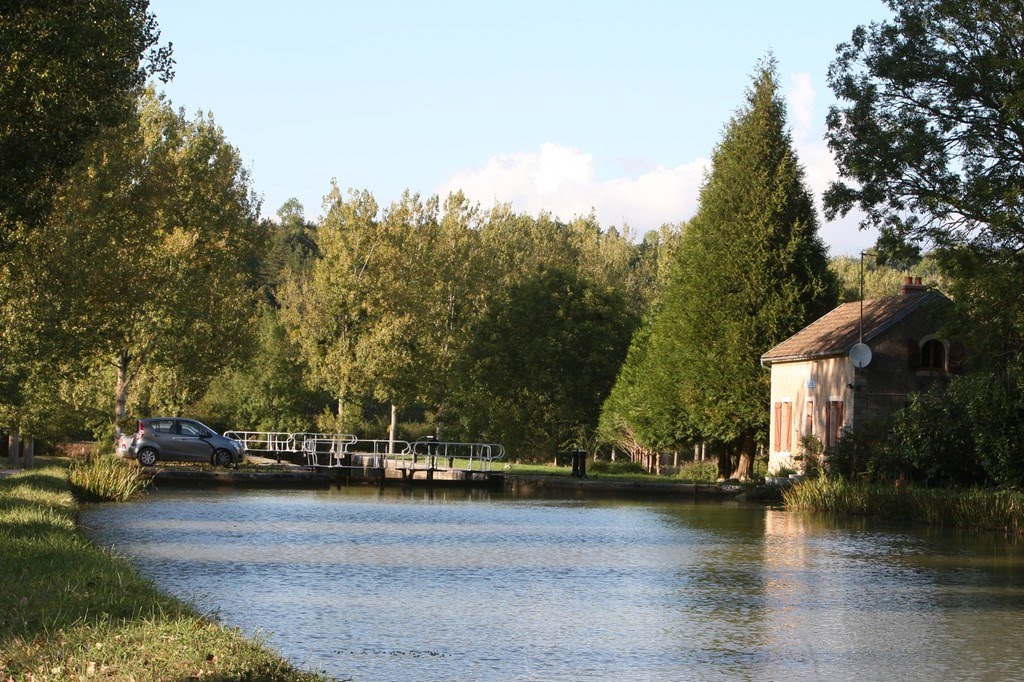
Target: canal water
[(375, 584)]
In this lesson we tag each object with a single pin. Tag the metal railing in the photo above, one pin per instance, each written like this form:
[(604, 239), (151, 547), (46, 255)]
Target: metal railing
[(270, 442), (343, 450), (433, 454)]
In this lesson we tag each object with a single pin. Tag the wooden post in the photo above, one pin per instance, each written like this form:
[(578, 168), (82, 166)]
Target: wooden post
[(30, 451), (12, 448)]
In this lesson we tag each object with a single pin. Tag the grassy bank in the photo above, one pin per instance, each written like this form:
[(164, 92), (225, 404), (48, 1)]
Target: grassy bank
[(624, 470), (967, 508), (70, 610)]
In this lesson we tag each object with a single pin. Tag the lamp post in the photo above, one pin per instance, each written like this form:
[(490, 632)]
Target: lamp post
[(860, 339)]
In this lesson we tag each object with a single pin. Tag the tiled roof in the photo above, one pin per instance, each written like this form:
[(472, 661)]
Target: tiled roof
[(835, 332)]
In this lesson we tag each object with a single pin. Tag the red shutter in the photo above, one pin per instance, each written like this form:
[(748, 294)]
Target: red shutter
[(828, 423), (837, 409), (787, 427), (913, 355), (778, 426)]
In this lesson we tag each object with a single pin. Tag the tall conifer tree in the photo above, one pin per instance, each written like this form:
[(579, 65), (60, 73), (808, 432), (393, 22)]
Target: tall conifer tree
[(751, 271)]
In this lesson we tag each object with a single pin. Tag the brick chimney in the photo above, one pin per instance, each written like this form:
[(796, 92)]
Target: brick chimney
[(912, 286)]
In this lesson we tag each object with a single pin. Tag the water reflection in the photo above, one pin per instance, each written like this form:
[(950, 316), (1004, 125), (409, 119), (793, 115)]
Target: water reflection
[(405, 585)]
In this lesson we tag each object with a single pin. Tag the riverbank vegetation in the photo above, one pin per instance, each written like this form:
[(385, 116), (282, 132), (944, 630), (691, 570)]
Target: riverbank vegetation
[(106, 478), (71, 610), (974, 508)]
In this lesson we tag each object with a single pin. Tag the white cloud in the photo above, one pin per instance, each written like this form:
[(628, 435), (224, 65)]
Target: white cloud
[(801, 102), (842, 235), (563, 180)]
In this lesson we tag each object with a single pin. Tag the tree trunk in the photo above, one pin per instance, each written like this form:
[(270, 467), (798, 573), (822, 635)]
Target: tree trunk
[(121, 394), (391, 430), (30, 451), (724, 464), (12, 448), (745, 467)]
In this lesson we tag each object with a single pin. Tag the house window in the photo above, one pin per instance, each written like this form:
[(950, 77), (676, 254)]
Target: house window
[(809, 418), (933, 355), (833, 421)]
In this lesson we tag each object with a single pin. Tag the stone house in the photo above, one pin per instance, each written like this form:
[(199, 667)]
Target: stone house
[(815, 387)]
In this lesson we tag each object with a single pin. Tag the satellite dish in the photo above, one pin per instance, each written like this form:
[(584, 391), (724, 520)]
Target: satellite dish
[(860, 355)]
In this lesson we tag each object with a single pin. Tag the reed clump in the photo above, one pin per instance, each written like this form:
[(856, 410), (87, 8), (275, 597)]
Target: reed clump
[(106, 478), (973, 508)]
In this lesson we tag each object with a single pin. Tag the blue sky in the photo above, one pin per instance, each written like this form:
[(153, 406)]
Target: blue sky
[(557, 106)]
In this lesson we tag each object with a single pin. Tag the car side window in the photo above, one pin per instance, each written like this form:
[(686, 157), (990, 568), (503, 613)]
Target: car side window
[(163, 426), (190, 429)]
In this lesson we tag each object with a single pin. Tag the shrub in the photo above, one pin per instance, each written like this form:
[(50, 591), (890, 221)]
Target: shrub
[(619, 466), (995, 407), (932, 440), (699, 472), (809, 453), (106, 478), (860, 453)]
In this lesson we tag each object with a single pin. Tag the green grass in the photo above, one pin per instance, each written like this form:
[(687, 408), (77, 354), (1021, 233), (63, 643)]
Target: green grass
[(691, 472), (970, 508), (70, 610)]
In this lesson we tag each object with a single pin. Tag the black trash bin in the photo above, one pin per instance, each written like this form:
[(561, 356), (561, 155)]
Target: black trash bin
[(579, 463)]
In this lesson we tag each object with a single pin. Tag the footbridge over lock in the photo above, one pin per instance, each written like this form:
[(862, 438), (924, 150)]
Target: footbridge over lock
[(356, 459)]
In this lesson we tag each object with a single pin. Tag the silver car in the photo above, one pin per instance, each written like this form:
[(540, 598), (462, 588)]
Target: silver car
[(170, 439)]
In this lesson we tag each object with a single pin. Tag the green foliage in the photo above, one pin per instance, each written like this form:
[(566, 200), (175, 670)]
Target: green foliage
[(966, 433), (931, 440), (994, 407), (926, 126), (106, 478), (70, 71), (927, 137), (619, 466), (163, 203), (642, 411), (292, 249), (699, 472), (750, 271), (810, 454), (541, 360), (267, 391)]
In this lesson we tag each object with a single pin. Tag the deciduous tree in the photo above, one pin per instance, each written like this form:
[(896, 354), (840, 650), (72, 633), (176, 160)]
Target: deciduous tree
[(144, 258), (68, 71)]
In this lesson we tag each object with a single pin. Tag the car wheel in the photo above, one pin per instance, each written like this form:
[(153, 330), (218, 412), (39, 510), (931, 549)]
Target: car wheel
[(147, 457), (223, 458)]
